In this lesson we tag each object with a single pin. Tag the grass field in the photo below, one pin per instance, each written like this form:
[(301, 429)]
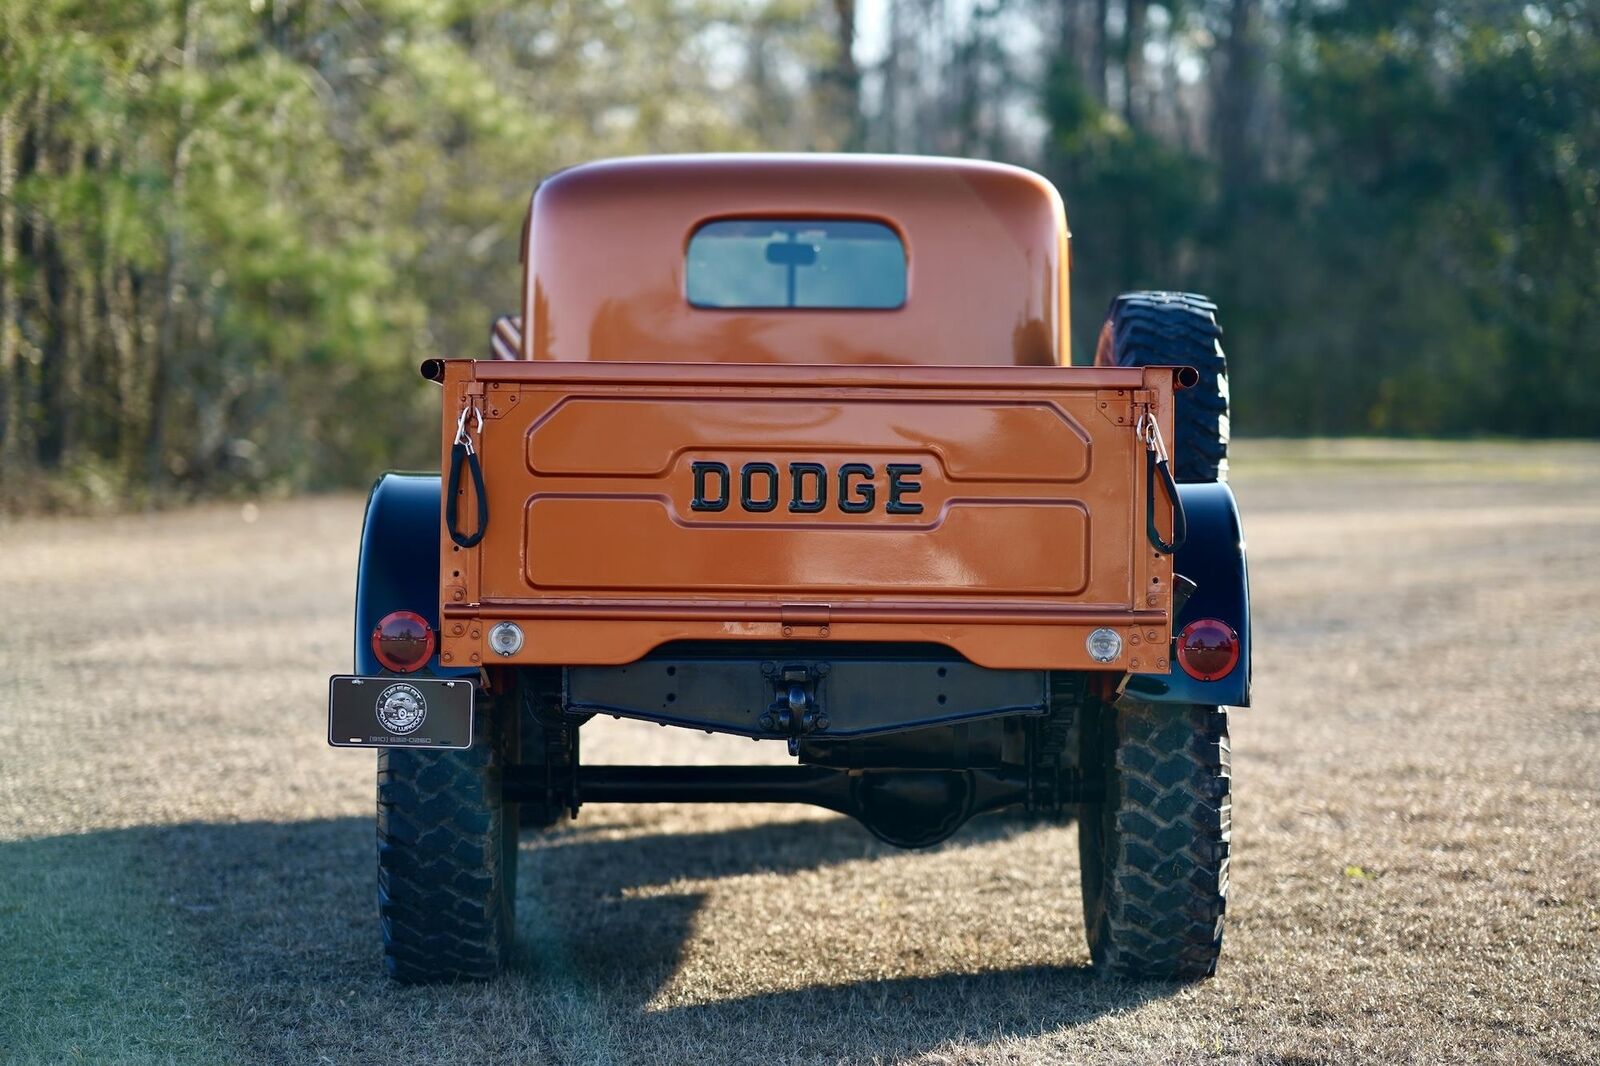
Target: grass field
[(186, 872)]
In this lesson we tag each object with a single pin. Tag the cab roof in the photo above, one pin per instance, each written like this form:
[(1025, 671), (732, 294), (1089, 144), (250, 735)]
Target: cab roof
[(985, 244)]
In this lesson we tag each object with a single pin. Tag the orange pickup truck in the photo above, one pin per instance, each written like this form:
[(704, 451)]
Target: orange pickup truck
[(791, 447)]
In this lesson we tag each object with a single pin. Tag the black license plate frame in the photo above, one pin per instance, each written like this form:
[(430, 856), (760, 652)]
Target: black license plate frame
[(400, 712)]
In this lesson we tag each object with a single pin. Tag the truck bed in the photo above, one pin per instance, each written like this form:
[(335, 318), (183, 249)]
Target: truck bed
[(999, 511)]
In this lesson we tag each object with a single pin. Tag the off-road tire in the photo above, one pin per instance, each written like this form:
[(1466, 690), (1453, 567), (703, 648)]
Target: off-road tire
[(547, 740), (1154, 851), (447, 855), (1177, 329), (543, 746)]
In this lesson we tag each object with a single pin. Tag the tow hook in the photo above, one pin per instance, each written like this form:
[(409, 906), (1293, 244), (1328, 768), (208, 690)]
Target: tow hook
[(796, 709)]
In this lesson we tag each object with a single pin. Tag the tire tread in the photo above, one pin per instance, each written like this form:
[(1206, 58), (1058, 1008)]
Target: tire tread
[(1180, 329), (1156, 850), (446, 875)]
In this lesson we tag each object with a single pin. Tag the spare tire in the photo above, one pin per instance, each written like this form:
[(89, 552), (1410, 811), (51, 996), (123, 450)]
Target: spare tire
[(1177, 329)]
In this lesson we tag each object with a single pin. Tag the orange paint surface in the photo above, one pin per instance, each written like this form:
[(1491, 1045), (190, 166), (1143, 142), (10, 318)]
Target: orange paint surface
[(986, 246), (930, 473)]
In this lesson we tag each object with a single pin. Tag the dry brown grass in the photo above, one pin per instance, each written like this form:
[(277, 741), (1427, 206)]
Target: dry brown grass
[(186, 872)]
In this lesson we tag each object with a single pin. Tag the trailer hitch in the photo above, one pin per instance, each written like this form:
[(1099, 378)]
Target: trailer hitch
[(796, 709)]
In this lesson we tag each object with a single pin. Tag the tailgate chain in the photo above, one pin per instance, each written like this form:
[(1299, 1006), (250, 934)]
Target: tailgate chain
[(461, 450), (1156, 461)]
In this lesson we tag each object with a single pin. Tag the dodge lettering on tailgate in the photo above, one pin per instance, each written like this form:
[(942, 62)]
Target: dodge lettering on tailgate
[(806, 487)]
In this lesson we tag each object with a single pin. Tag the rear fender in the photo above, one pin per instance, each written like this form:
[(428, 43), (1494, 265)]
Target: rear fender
[(1213, 557), (399, 565)]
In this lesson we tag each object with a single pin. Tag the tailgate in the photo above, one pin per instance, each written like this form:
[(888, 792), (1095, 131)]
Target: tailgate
[(999, 511)]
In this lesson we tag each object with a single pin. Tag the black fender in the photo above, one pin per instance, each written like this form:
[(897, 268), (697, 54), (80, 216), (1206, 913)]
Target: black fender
[(1213, 557), (399, 565)]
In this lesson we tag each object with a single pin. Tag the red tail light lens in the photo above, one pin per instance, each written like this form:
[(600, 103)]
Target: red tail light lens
[(1208, 649), (403, 641)]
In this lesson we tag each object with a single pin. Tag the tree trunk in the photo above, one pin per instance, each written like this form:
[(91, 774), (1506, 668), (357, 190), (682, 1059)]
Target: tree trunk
[(1099, 55), (889, 138), (9, 333), (1133, 62), (39, 396), (121, 310), (846, 77), (1241, 71), (161, 372)]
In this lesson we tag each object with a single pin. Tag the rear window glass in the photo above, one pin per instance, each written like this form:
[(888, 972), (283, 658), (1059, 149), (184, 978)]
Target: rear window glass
[(773, 263)]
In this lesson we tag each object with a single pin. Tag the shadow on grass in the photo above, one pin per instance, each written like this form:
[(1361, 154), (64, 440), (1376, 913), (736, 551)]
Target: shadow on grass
[(259, 940)]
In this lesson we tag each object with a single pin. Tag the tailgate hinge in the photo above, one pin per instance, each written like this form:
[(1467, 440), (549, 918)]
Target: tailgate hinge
[(497, 399), (1123, 407)]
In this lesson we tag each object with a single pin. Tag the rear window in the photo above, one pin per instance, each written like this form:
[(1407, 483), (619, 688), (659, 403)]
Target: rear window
[(778, 263)]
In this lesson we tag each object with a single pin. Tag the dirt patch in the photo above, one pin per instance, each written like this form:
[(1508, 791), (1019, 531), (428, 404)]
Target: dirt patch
[(186, 871)]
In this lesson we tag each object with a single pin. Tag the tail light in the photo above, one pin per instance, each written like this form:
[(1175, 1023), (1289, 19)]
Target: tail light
[(1208, 649), (403, 641)]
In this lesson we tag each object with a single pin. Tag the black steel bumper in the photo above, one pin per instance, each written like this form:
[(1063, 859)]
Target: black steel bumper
[(814, 691)]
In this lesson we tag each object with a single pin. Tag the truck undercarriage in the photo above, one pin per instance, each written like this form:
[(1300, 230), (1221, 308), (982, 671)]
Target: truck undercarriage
[(912, 782)]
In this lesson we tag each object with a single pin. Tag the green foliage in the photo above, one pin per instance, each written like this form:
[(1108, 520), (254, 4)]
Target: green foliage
[(229, 231), (1412, 244), (1131, 199), (232, 231)]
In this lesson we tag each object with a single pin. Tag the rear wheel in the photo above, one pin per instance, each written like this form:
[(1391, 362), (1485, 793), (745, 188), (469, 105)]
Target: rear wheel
[(1177, 329), (548, 743), (447, 854), (1154, 851)]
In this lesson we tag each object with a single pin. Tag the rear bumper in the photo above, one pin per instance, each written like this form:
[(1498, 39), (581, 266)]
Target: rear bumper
[(815, 690)]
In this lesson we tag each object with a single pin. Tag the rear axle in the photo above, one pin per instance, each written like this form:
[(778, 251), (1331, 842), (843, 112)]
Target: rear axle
[(906, 807)]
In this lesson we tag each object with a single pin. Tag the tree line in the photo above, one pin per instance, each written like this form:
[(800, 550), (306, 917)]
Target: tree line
[(229, 232)]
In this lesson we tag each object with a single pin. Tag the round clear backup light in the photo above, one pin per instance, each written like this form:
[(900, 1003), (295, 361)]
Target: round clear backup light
[(505, 638), (1105, 645)]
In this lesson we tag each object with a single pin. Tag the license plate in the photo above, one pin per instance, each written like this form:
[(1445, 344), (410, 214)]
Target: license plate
[(399, 712)]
